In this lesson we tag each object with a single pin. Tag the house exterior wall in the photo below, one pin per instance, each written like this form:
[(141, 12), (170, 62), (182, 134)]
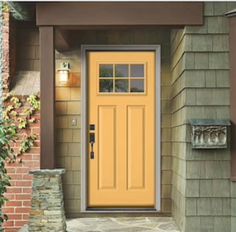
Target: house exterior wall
[(68, 107), (27, 47), (19, 193), (196, 186), (203, 195)]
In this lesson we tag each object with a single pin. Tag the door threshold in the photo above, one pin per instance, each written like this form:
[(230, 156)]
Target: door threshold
[(121, 210)]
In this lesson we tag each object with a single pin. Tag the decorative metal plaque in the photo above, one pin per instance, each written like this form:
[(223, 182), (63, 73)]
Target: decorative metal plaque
[(209, 134)]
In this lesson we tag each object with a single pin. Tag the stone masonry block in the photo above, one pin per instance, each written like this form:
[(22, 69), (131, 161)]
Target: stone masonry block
[(47, 212)]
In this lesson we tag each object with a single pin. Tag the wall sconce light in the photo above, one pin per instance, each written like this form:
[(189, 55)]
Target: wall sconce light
[(64, 72)]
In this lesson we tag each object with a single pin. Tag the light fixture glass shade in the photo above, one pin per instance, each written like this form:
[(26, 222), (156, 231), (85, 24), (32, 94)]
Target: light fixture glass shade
[(63, 75), (64, 72)]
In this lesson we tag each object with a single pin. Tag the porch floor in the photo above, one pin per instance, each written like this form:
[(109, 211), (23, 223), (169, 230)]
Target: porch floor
[(129, 224)]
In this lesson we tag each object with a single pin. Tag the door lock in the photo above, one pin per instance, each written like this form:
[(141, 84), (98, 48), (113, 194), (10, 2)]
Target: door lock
[(91, 141)]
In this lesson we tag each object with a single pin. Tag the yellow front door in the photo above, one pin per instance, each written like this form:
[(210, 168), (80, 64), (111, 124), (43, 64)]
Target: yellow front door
[(121, 154)]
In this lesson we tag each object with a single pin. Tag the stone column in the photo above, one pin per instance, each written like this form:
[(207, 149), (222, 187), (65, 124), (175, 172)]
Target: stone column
[(47, 213)]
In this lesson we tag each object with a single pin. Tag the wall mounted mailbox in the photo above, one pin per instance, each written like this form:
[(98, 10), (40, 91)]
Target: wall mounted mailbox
[(209, 134)]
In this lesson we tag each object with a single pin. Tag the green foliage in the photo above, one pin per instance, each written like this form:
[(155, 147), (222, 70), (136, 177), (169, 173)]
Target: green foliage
[(5, 7), (27, 143), (22, 123), (17, 119), (34, 102), (12, 112), (7, 135)]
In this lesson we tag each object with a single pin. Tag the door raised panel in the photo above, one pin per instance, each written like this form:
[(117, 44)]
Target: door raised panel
[(136, 147), (107, 147)]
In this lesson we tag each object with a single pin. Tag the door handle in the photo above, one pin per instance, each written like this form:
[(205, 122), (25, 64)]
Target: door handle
[(91, 141)]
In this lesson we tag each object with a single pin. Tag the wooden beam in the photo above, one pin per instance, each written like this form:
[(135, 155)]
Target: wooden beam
[(119, 13), (62, 40), (47, 92)]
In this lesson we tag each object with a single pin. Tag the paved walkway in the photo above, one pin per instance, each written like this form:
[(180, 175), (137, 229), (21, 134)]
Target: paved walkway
[(122, 224)]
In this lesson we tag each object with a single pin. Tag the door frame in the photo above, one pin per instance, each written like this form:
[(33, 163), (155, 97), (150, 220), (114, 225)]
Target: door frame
[(84, 121)]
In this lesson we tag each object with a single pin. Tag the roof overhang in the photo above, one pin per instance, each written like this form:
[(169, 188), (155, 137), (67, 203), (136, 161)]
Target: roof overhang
[(119, 13)]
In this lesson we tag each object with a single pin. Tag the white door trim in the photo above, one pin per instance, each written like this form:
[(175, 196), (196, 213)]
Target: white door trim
[(84, 120)]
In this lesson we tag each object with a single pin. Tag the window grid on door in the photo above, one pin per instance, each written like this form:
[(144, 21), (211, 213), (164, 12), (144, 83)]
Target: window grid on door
[(122, 78)]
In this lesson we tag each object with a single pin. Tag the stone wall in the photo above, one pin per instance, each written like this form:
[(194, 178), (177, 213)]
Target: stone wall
[(203, 91), (68, 108), (47, 211)]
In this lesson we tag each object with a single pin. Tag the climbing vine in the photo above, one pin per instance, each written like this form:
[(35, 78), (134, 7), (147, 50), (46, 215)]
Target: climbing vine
[(21, 115), (17, 118), (7, 135)]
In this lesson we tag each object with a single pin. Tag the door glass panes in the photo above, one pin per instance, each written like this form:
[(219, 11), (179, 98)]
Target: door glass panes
[(121, 70), (136, 86), (121, 86), (137, 70), (105, 70), (122, 78), (106, 86)]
